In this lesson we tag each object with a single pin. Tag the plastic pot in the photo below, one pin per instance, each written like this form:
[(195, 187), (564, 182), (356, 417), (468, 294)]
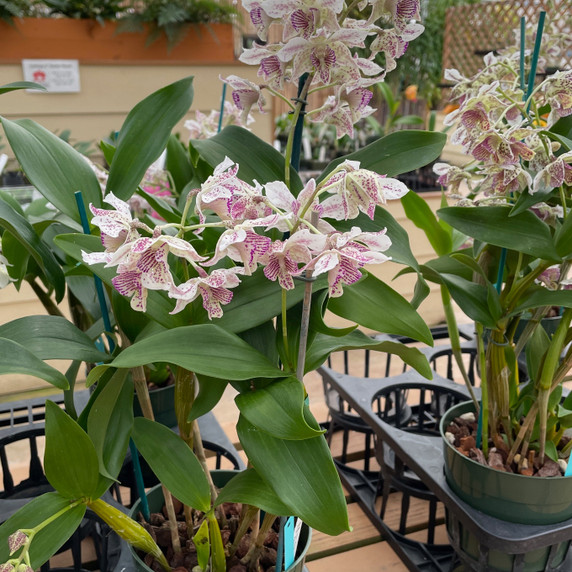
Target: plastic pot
[(506, 496), (220, 478)]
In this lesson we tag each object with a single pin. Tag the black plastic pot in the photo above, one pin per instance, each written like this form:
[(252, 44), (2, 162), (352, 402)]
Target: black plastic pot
[(220, 478), (506, 496)]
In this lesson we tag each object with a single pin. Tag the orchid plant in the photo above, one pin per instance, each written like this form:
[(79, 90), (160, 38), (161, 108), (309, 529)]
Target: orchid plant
[(505, 247), (232, 285)]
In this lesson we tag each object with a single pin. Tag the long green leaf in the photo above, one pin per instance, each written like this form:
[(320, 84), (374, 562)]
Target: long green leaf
[(373, 304), (49, 540), (178, 163), (206, 349), (109, 425), (523, 232), (420, 213), (301, 473), (256, 159), (70, 460), (24, 232), (544, 297), (53, 166), (278, 409), (396, 153), (20, 85), (145, 133), (564, 238), (323, 345), (15, 358), (248, 487), (473, 299), (172, 460), (52, 337)]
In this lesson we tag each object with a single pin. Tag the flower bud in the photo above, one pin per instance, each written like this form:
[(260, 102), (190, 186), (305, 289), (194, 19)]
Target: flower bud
[(16, 541), (6, 567)]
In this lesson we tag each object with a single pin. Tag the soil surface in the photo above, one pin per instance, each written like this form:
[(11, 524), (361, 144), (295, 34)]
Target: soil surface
[(461, 433), (158, 527)]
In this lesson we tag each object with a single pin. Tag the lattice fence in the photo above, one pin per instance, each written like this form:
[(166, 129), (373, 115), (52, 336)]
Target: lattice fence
[(472, 31)]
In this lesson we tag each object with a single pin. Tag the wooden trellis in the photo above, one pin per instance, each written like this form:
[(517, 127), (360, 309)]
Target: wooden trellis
[(473, 30)]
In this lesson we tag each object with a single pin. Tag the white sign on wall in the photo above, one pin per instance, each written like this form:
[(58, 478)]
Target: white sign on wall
[(57, 76)]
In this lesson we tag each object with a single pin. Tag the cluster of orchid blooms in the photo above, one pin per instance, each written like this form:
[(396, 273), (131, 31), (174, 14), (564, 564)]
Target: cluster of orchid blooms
[(504, 129), (318, 37), (245, 212)]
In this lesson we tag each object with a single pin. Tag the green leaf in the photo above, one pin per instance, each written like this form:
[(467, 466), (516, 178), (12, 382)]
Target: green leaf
[(535, 350), (563, 238), (173, 462), (52, 337), (248, 487), (278, 409), (202, 544), (526, 200), (396, 153), (158, 304), (205, 349), (70, 461), (54, 167), (109, 425), (218, 557), (178, 163), (323, 346), (49, 540), (24, 232), (523, 232), (20, 85), (256, 159), (301, 473), (473, 299), (210, 393), (145, 133), (15, 358), (544, 297), (400, 249), (257, 300), (373, 304), (420, 213)]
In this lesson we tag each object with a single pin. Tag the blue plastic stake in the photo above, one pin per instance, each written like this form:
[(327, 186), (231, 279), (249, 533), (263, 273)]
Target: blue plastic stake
[(107, 323), (223, 97), (139, 481), (535, 54)]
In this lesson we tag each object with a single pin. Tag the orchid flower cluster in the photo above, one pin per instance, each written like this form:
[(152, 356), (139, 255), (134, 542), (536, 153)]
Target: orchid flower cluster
[(505, 132), (140, 253), (204, 126), (317, 39)]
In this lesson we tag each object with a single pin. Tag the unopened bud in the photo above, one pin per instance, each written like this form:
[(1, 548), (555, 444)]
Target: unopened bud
[(16, 541), (6, 567)]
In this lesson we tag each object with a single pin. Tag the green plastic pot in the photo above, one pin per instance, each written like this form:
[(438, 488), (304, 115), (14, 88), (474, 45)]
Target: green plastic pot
[(507, 496), (220, 478), (163, 403)]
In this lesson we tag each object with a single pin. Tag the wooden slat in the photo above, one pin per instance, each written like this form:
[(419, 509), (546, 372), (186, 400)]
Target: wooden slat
[(377, 557)]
